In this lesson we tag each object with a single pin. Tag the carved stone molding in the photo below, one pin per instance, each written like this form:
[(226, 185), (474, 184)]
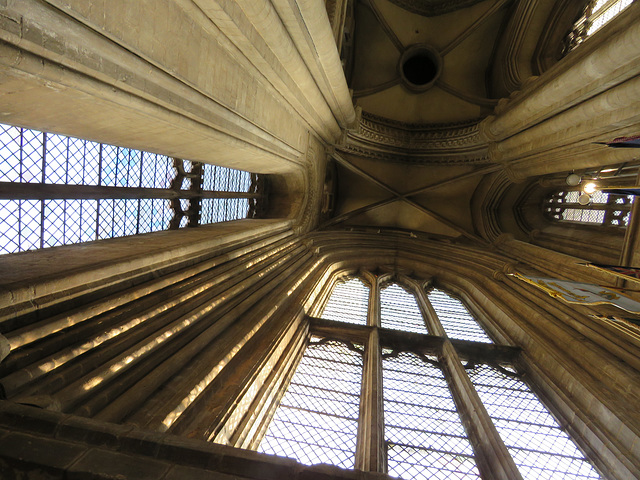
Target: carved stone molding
[(389, 140), (432, 8)]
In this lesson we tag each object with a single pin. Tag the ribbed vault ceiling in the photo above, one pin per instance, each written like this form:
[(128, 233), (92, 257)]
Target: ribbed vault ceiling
[(416, 160)]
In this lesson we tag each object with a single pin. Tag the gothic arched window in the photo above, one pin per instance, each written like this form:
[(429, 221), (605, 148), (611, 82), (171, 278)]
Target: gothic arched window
[(387, 396), (317, 420), (604, 209), (59, 190), (399, 310), (597, 14), (348, 302)]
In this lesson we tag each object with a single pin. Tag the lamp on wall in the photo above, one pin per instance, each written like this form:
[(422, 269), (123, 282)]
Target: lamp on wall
[(573, 179)]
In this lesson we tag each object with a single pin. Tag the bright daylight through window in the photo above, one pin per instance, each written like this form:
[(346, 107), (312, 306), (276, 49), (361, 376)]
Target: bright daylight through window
[(321, 418), (604, 208), (597, 13), (59, 190)]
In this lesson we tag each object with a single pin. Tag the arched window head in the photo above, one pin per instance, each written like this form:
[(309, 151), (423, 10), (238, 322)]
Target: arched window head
[(456, 320), (349, 302), (597, 14), (604, 208), (399, 310), (390, 401)]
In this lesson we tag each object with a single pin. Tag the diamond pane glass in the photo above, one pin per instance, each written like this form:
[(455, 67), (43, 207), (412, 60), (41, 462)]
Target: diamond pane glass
[(30, 156), (540, 448), (10, 152), (54, 223), (399, 310), (75, 161), (215, 210), (603, 16), (55, 169), (9, 226), (30, 217), (91, 163), (455, 318), (423, 432), (317, 420), (222, 179), (349, 302), (604, 208)]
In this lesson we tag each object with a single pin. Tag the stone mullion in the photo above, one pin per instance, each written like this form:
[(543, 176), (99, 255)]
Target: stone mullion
[(492, 457), (493, 460), (434, 327), (370, 450), (373, 313)]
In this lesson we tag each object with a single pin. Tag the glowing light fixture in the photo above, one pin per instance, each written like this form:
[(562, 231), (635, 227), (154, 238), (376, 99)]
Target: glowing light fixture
[(590, 188)]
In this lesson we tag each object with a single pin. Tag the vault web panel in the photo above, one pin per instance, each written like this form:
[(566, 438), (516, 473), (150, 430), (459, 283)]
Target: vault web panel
[(455, 318), (424, 436), (317, 420), (538, 445)]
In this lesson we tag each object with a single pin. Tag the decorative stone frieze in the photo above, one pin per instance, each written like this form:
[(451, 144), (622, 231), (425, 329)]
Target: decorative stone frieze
[(385, 139)]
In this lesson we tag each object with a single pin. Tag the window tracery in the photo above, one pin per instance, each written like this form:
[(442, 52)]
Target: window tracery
[(399, 310), (604, 209), (597, 14), (59, 190), (419, 407), (348, 302)]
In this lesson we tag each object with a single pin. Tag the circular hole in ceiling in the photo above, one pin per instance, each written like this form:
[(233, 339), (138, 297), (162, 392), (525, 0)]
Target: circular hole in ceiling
[(420, 66)]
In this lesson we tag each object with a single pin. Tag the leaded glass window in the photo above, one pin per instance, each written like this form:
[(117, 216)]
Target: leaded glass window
[(604, 209), (456, 320), (59, 190), (317, 420), (399, 310), (539, 446), (408, 414), (597, 14), (349, 302), (424, 435)]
